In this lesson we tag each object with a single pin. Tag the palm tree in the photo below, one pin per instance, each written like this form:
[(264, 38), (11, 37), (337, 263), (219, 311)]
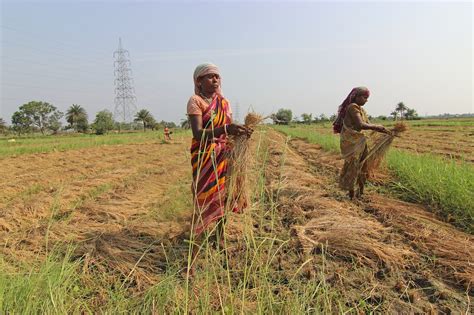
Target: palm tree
[(75, 114), (401, 108), (145, 117)]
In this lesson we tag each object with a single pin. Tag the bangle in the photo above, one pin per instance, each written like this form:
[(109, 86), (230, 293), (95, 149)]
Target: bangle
[(225, 129)]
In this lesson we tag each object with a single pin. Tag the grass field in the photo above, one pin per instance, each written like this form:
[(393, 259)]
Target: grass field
[(43, 144), (100, 224)]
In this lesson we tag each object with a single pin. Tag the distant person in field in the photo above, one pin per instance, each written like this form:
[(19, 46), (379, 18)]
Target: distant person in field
[(350, 122), (167, 133), (210, 116)]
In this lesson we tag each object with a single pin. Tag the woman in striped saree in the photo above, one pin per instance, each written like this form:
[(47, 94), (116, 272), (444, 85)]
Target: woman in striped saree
[(211, 122)]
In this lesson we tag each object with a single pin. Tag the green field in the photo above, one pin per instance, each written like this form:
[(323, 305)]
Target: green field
[(49, 143)]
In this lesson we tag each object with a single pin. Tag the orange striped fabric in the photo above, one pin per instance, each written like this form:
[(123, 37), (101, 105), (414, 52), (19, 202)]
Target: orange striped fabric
[(209, 160)]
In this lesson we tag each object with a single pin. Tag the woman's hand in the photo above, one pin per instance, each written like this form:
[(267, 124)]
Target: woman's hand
[(382, 129), (238, 130)]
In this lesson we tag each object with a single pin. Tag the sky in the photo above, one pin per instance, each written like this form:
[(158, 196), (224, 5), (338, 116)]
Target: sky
[(305, 56)]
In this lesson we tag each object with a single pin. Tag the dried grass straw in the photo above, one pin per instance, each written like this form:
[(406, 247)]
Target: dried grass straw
[(348, 236), (380, 147), (239, 162)]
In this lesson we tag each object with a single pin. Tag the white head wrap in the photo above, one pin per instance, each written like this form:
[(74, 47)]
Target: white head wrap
[(202, 70)]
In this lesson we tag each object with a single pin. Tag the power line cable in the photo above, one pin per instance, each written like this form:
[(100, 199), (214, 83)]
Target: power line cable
[(43, 87), (36, 35), (49, 52), (23, 100), (37, 76), (36, 63)]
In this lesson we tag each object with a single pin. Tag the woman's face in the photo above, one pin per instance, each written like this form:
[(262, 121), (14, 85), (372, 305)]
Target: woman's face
[(209, 83), (361, 99)]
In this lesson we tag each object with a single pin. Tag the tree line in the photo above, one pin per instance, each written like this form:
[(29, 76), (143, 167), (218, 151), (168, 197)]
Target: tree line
[(44, 117), (284, 116), (37, 116)]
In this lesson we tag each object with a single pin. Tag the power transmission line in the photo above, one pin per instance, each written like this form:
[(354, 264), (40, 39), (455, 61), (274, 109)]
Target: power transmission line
[(37, 35), (125, 100), (43, 87), (43, 75), (31, 63), (50, 52)]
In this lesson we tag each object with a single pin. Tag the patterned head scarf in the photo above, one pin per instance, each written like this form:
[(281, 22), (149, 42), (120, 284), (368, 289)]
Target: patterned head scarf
[(361, 90), (202, 70)]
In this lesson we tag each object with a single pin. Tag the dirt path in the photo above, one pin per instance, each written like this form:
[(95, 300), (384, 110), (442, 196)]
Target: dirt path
[(395, 253)]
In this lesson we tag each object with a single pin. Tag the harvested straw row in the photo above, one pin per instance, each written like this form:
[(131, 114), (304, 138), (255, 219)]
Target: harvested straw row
[(348, 236), (453, 249), (239, 161)]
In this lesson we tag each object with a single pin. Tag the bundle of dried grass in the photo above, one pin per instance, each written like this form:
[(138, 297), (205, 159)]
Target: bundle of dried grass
[(347, 236), (239, 161), (253, 119), (380, 147)]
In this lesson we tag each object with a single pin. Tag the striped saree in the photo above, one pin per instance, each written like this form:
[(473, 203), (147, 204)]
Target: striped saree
[(209, 160)]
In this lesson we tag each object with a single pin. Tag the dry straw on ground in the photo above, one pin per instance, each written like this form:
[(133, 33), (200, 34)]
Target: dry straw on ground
[(380, 146), (239, 162), (348, 236), (452, 251)]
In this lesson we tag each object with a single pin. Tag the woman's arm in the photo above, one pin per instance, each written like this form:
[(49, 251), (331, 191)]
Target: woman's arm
[(232, 129), (360, 124)]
